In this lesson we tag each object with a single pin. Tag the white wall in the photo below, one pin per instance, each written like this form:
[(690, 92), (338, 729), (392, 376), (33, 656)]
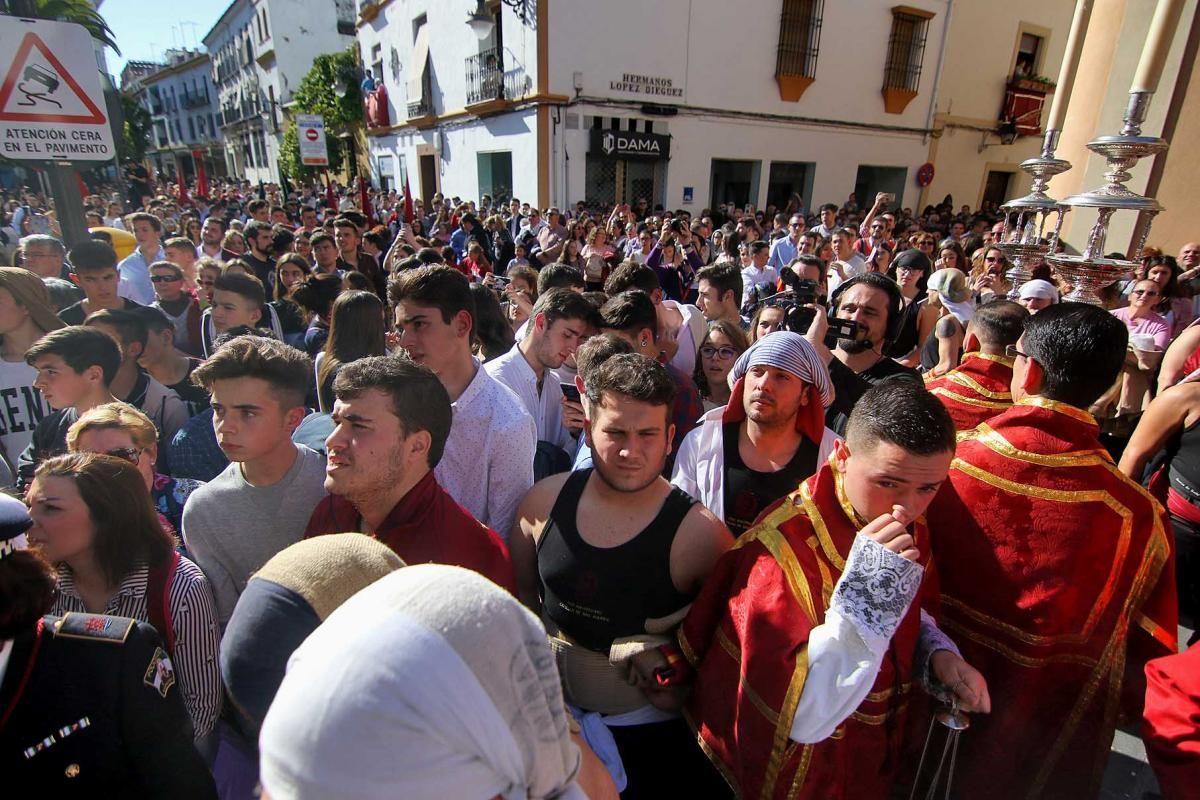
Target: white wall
[(457, 149), (722, 55), (451, 42)]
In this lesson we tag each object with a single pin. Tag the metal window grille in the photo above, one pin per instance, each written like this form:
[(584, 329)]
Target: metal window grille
[(799, 37), (906, 51), (485, 76)]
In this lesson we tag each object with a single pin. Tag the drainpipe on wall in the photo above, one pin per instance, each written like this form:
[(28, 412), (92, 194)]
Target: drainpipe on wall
[(937, 82)]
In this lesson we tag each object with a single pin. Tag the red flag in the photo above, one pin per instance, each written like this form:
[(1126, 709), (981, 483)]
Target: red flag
[(183, 198), (364, 199), (201, 176), (408, 203)]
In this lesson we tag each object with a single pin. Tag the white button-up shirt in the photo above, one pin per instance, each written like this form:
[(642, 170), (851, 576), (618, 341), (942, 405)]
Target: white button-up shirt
[(487, 466), (545, 406), (135, 276)]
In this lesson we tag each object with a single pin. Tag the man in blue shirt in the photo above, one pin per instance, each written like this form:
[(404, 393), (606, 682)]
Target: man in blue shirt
[(784, 249), (135, 268)]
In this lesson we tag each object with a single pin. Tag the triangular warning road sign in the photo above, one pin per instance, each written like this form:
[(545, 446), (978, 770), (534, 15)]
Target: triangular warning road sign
[(45, 75)]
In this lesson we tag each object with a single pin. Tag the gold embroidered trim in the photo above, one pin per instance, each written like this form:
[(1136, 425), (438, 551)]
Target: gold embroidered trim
[(996, 442), (963, 379), (822, 532), (1062, 408), (879, 719), (823, 569), (783, 730), (801, 772), (970, 401), (1005, 360)]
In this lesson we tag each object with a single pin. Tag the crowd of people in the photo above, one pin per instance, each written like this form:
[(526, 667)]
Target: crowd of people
[(332, 493)]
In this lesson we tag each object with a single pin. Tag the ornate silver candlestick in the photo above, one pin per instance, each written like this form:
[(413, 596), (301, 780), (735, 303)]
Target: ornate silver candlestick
[(1091, 271), (1026, 219)]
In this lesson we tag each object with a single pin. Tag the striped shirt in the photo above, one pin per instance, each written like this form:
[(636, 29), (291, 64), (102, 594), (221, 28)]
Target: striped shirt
[(194, 619)]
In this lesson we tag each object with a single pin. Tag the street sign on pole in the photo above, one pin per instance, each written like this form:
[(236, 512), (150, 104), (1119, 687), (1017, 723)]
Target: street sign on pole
[(51, 100), (313, 152)]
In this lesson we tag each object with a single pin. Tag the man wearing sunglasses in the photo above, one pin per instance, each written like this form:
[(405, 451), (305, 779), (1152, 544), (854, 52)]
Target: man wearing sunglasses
[(1055, 570), (767, 440)]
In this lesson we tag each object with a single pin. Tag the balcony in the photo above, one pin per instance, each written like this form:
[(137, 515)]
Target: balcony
[(190, 100), (485, 78), (420, 111)]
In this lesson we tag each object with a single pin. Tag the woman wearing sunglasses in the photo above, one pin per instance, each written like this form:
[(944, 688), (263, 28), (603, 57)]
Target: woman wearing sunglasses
[(987, 276), (93, 520), (721, 346)]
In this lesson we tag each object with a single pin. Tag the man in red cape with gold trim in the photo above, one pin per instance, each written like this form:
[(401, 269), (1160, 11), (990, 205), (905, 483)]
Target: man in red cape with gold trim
[(805, 641), (978, 388), (1056, 573)]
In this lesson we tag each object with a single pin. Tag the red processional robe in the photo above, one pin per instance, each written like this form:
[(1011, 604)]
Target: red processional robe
[(746, 640), (976, 390), (1171, 723), (1056, 577)]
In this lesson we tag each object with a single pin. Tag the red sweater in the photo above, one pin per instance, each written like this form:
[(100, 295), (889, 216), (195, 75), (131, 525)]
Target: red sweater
[(426, 526)]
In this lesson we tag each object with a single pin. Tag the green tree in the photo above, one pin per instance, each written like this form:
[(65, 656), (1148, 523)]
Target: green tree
[(316, 95), (135, 137), (78, 11)]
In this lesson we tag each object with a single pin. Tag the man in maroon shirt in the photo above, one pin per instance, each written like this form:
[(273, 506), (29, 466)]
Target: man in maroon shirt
[(392, 418)]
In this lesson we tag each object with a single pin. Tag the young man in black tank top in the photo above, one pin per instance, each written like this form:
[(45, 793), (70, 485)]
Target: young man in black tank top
[(767, 440), (613, 553)]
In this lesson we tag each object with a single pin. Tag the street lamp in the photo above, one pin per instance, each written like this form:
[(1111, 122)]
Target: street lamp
[(481, 21)]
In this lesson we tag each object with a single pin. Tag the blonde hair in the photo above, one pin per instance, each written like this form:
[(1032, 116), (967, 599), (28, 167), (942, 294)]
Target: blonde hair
[(114, 416)]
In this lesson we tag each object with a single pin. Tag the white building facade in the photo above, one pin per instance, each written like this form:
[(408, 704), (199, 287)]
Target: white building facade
[(690, 103), (183, 109), (260, 51)]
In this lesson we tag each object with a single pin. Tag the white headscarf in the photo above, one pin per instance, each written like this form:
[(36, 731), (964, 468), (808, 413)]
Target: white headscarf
[(430, 684)]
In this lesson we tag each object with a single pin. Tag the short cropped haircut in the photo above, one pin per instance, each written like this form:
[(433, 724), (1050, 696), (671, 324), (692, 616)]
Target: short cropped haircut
[(999, 323), (286, 369), (725, 277), (596, 350), (559, 304), (43, 240), (256, 205), (629, 275), (829, 207), (154, 318), (179, 243), (443, 288), (114, 416), (80, 348), (170, 266), (419, 400), (630, 312), (559, 276), (634, 376), (902, 413), (247, 286), (129, 326), (321, 236), (429, 255), (93, 256), (254, 227), (758, 247), (1080, 349), (142, 216)]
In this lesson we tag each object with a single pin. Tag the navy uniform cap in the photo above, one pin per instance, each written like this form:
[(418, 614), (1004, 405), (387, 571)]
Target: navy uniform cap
[(14, 521)]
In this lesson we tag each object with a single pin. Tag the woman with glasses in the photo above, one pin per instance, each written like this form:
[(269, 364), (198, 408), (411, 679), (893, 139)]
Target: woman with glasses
[(720, 347), (923, 242), (1173, 304), (1140, 317), (92, 519), (987, 276), (911, 271)]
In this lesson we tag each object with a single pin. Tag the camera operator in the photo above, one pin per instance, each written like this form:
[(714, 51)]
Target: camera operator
[(873, 303)]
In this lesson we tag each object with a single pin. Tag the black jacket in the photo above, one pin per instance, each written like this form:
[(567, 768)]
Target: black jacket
[(100, 715)]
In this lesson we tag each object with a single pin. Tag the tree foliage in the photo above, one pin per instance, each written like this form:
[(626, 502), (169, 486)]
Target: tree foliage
[(289, 154), (138, 128), (316, 95), (78, 11)]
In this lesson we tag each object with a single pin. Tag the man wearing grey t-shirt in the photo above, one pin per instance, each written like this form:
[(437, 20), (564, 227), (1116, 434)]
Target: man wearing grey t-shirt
[(261, 502)]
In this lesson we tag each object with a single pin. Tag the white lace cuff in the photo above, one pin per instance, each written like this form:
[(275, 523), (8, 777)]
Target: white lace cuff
[(875, 590), (932, 639)]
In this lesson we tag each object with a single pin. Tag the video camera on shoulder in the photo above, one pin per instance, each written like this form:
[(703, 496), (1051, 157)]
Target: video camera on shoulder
[(798, 315)]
